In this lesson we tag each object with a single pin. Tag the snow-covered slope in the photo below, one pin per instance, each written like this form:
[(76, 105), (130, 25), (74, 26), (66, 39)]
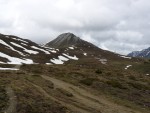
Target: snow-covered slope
[(145, 53), (14, 50)]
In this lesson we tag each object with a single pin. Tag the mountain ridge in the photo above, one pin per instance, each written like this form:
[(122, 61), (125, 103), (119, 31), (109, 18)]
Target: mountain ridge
[(15, 50), (145, 53)]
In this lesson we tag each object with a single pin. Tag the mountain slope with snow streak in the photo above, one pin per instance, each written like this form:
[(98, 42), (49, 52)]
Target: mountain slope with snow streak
[(15, 50), (145, 53)]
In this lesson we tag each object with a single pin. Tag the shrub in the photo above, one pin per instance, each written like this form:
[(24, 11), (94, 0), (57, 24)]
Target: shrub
[(132, 77), (87, 81), (98, 71), (115, 84), (138, 86)]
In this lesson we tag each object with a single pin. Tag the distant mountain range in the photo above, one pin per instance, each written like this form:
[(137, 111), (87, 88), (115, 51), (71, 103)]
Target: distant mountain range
[(145, 53)]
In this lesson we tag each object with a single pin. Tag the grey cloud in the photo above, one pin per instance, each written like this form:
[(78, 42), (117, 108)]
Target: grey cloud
[(116, 25)]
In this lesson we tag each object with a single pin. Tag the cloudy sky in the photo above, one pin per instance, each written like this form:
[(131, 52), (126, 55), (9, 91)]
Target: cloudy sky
[(118, 25)]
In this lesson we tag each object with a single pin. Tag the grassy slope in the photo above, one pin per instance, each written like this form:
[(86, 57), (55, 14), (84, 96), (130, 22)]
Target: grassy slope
[(130, 88)]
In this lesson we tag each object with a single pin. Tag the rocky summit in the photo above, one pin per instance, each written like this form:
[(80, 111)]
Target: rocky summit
[(66, 40)]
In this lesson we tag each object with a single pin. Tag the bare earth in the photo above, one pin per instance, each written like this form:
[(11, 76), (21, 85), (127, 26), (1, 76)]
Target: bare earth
[(12, 101), (85, 102)]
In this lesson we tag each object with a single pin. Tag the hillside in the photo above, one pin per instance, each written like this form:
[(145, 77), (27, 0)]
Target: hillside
[(69, 43), (89, 79), (15, 50)]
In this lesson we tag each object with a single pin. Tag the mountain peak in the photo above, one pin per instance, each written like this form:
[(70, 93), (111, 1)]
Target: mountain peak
[(64, 40), (68, 37)]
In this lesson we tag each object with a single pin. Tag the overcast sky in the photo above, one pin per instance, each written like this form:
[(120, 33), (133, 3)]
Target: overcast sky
[(118, 25)]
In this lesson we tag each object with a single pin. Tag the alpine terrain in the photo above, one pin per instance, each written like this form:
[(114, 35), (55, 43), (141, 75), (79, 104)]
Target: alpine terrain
[(145, 53), (70, 75)]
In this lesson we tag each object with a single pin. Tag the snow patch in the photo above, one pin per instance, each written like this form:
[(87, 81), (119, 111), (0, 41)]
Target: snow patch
[(7, 36), (24, 44), (20, 40), (2, 62), (71, 47), (26, 50), (4, 43), (40, 49), (48, 63), (53, 51), (126, 57), (63, 58), (14, 60), (56, 61), (8, 68), (70, 57), (103, 61), (85, 54), (127, 67)]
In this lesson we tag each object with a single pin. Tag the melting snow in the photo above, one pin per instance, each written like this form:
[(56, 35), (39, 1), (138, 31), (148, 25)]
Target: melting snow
[(70, 47), (56, 61), (85, 54), (103, 61), (20, 40), (40, 49), (60, 60), (127, 67), (7, 36), (2, 62), (125, 57), (53, 51), (24, 44), (48, 64), (63, 58), (8, 68), (26, 50), (14, 60), (70, 57), (4, 43)]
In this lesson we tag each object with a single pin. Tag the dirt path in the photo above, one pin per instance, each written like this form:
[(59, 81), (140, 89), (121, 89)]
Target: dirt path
[(12, 101), (72, 107), (84, 97)]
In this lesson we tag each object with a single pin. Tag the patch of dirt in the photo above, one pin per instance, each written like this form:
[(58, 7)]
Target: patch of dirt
[(87, 102), (12, 101), (72, 107)]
